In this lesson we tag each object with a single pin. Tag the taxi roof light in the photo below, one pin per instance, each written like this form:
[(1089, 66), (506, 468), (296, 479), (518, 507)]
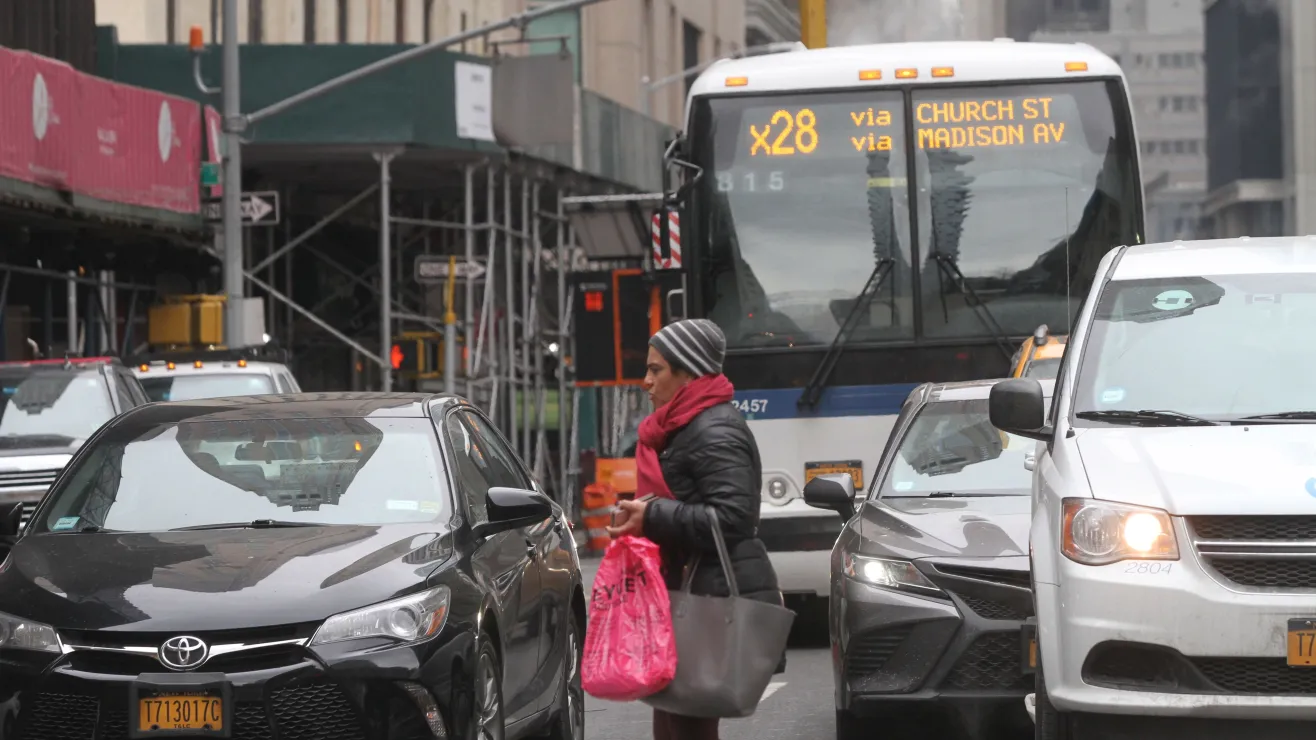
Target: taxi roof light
[(943, 71), (1076, 66), (242, 363), (907, 73), (1041, 334), (170, 366), (144, 367), (870, 74), (737, 81), (196, 364)]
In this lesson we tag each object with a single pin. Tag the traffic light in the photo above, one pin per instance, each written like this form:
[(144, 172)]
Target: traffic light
[(417, 354)]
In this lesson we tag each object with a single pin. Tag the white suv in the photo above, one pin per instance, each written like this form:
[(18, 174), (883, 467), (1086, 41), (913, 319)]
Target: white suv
[(1174, 513)]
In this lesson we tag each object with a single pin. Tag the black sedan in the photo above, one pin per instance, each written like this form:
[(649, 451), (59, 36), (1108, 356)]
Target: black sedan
[(314, 566), (930, 590)]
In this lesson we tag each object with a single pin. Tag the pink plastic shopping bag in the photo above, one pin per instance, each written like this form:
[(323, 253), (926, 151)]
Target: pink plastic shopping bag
[(630, 649)]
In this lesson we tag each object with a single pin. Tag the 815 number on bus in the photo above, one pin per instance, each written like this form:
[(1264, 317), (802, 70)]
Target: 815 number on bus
[(751, 182)]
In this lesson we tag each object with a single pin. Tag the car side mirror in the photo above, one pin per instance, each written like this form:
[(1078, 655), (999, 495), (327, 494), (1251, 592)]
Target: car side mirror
[(512, 508), (1017, 406), (11, 519), (834, 492)]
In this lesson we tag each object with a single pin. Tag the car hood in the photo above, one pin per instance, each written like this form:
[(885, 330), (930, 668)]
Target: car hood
[(214, 579), (979, 526), (1260, 469)]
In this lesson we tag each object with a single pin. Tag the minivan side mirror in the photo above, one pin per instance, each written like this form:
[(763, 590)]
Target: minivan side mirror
[(512, 508), (1017, 406), (834, 492)]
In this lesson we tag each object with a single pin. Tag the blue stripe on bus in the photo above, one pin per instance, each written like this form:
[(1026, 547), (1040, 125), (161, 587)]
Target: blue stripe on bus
[(846, 400)]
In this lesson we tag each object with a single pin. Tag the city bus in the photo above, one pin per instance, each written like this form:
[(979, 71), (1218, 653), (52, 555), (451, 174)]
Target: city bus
[(863, 219)]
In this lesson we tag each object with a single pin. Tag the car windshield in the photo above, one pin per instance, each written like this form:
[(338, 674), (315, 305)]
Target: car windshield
[(1043, 369), (188, 387), (1219, 347), (155, 477), (952, 448), (51, 406)]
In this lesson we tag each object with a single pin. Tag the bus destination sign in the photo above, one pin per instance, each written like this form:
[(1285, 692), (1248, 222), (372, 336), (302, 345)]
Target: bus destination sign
[(938, 124)]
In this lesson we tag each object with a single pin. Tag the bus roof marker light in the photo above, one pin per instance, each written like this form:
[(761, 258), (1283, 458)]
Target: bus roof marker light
[(870, 74), (737, 81), (170, 366), (943, 71), (906, 74), (1076, 66)]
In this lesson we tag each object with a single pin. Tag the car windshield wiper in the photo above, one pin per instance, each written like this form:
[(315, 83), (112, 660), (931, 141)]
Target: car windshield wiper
[(1149, 417), (812, 392), (253, 524), (1282, 416)]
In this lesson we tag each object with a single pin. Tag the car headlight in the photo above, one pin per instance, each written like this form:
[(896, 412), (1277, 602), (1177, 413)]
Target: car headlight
[(407, 619), (898, 574), (1100, 532), (24, 634)]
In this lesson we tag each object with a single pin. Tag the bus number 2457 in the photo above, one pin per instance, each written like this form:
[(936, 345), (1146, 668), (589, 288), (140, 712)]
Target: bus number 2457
[(752, 405)]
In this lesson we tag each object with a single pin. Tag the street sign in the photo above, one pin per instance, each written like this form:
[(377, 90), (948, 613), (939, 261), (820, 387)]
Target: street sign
[(433, 268), (258, 209), (210, 174)]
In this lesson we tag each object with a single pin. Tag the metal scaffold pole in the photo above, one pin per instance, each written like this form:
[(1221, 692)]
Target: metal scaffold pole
[(385, 274), (231, 208)]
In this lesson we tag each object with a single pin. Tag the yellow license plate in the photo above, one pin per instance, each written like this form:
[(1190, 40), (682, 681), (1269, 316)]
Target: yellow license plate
[(180, 712), (854, 467), (1302, 642)]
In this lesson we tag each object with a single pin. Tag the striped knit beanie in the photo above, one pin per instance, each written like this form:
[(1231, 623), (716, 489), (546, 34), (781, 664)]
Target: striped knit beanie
[(695, 345)]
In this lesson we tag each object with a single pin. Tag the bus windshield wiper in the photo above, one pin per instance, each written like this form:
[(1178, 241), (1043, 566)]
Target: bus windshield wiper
[(812, 392), (1149, 418), (1282, 416), (254, 524)]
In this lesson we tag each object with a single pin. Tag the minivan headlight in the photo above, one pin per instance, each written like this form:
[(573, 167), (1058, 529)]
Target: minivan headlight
[(898, 574), (17, 633), (407, 619), (1101, 532)]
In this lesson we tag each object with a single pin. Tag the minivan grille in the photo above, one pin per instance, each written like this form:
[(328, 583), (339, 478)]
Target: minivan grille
[(1269, 552), (21, 479)]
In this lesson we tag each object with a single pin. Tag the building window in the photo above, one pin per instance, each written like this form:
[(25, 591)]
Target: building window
[(691, 37), (400, 22), (342, 21), (255, 21), (308, 21)]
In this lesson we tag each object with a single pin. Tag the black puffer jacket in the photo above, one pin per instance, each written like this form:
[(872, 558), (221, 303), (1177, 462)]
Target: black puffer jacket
[(713, 463)]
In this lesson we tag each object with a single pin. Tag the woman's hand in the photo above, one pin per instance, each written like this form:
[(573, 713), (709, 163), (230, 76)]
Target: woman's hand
[(630, 519)]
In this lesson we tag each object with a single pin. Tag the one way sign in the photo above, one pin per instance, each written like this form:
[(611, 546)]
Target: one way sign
[(257, 208)]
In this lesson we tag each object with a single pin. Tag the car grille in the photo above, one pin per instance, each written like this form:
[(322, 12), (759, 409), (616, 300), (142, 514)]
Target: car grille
[(319, 711), (868, 653), (993, 661), (1272, 552), (1256, 675), (1017, 578), (993, 609)]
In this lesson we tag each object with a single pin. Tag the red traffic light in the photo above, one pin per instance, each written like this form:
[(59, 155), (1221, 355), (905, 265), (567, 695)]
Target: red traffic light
[(396, 357)]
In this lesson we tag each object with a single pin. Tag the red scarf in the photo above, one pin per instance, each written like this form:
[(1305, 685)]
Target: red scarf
[(691, 400)]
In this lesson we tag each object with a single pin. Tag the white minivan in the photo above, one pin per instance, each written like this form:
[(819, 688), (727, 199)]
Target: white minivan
[(1173, 538)]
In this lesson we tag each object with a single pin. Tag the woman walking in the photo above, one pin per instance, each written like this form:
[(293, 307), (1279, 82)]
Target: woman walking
[(696, 453)]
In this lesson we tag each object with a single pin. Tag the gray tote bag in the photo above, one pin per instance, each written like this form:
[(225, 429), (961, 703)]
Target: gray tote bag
[(726, 648)]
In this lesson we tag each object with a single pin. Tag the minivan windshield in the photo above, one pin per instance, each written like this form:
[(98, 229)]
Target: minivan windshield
[(153, 477), (1219, 347), (51, 406), (952, 448)]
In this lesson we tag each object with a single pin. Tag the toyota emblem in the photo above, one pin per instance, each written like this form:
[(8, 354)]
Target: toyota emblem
[(184, 653)]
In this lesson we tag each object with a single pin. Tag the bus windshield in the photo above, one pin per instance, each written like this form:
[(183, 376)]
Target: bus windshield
[(1017, 192)]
